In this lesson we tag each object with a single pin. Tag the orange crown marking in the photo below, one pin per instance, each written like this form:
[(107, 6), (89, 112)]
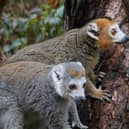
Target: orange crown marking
[(104, 22), (75, 73), (104, 38)]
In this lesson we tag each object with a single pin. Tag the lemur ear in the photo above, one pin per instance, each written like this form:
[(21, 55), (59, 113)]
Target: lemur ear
[(79, 63), (58, 71), (92, 27), (92, 30)]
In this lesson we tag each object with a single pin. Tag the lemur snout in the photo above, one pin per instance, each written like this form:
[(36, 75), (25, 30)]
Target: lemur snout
[(80, 98), (125, 39)]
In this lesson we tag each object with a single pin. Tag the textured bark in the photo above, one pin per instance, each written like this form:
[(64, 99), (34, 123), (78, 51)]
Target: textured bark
[(114, 62), (79, 12)]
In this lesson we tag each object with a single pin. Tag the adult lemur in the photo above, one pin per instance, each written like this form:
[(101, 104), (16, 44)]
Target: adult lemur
[(32, 91), (82, 45)]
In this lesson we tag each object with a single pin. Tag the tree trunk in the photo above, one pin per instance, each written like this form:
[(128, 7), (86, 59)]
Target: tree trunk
[(114, 62)]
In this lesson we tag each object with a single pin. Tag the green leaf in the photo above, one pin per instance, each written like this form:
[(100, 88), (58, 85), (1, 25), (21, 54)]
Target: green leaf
[(60, 11), (24, 42), (42, 23), (52, 20), (7, 48), (19, 42), (33, 19), (36, 11), (16, 43)]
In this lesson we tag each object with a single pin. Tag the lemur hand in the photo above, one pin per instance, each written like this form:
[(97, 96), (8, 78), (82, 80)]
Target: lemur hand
[(104, 95), (79, 125), (100, 76)]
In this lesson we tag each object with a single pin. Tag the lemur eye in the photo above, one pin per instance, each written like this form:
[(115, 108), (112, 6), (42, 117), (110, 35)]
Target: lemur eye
[(72, 87), (113, 31)]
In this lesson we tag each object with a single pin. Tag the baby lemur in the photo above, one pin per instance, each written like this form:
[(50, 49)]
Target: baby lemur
[(47, 92), (82, 45)]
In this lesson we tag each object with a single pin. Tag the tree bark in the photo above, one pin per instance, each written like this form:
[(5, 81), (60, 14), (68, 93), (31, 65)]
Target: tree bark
[(79, 12), (114, 62)]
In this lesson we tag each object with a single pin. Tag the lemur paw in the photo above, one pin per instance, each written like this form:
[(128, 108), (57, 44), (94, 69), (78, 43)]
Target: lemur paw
[(81, 126), (104, 95), (101, 76), (84, 127)]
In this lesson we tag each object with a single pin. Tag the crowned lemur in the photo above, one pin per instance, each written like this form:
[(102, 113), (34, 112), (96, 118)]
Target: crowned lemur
[(83, 44), (32, 91)]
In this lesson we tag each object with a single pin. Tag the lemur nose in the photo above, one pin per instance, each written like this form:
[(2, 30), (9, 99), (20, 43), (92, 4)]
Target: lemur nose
[(80, 98), (125, 39)]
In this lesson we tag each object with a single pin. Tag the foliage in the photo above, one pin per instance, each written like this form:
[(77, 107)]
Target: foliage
[(40, 24)]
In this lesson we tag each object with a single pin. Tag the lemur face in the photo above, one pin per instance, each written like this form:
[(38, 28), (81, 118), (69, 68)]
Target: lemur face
[(106, 32), (69, 80), (76, 88), (117, 35)]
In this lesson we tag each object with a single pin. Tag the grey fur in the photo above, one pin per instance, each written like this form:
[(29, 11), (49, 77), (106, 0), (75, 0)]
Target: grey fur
[(71, 46), (27, 88), (75, 45)]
